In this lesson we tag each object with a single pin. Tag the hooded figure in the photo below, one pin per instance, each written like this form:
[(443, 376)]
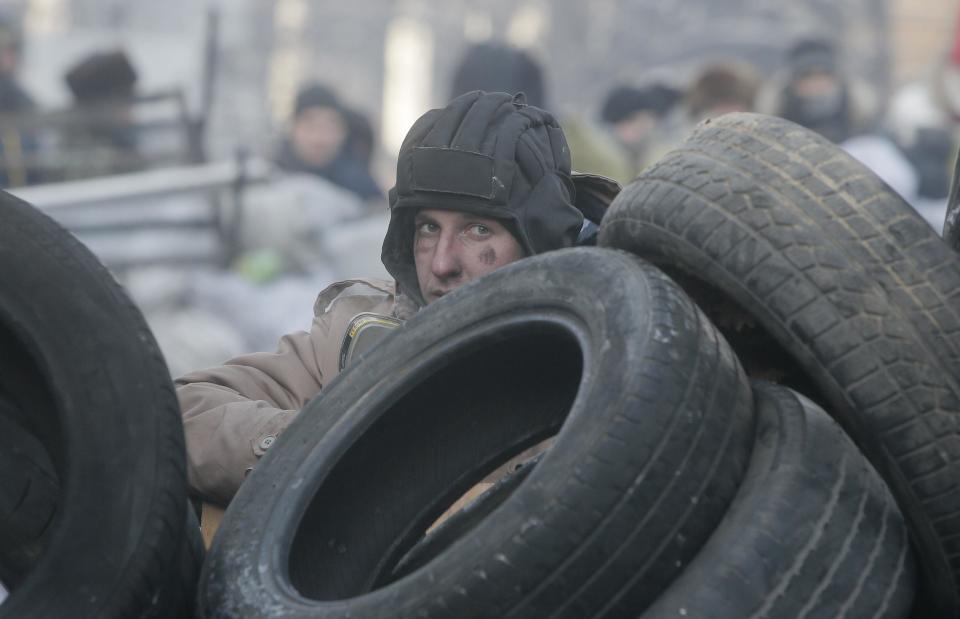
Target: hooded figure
[(491, 155), (13, 98), (638, 117), (102, 139), (817, 96), (498, 67), (18, 141), (322, 141)]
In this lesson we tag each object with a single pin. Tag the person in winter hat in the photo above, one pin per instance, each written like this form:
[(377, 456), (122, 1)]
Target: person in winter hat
[(481, 183), (815, 91), (638, 118), (104, 138), (493, 66), (485, 157), (20, 143), (321, 141)]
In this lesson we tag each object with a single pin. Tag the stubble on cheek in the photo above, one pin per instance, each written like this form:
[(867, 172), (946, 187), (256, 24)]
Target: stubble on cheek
[(488, 256)]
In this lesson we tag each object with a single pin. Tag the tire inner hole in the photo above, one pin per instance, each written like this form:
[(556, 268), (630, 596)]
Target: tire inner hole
[(464, 417)]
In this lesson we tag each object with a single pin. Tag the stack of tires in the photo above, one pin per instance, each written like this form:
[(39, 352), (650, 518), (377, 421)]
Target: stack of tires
[(94, 519), (751, 389)]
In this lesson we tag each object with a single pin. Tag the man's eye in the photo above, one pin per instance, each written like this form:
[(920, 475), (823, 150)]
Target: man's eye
[(427, 227), (480, 230)]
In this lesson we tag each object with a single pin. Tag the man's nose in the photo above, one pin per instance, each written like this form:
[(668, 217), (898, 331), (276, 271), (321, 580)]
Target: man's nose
[(446, 259)]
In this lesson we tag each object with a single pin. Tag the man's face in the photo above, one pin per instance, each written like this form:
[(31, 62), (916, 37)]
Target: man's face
[(634, 129), (318, 133), (9, 59), (451, 248), (816, 84)]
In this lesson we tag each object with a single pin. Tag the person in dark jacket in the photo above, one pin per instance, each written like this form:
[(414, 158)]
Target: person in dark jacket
[(815, 92), (103, 139), (320, 142), (635, 115), (18, 142), (499, 67)]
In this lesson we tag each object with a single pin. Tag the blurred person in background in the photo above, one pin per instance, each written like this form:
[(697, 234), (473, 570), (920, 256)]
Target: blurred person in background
[(815, 92), (945, 85), (498, 67), (924, 133), (635, 116), (914, 147), (327, 140), (719, 89), (911, 152), (939, 98), (361, 142), (18, 142), (321, 191), (102, 137)]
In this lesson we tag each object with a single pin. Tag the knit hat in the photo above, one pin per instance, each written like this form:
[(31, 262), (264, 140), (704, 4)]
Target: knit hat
[(812, 56), (496, 67), (624, 101), (316, 95), (102, 76), (489, 154)]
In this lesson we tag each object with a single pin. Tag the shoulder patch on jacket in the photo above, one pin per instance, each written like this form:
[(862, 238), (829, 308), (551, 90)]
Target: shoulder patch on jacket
[(363, 332)]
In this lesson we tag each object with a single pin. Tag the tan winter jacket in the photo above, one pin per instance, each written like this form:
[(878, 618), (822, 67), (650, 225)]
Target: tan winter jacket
[(234, 412)]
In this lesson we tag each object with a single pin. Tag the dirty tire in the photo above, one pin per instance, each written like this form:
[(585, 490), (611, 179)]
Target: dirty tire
[(828, 268), (29, 493), (653, 421), (813, 531), (180, 591), (82, 374)]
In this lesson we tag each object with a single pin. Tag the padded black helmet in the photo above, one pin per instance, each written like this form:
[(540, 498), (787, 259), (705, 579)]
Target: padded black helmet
[(492, 155)]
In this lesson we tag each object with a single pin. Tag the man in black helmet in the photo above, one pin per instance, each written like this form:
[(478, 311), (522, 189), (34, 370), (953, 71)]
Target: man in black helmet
[(480, 183)]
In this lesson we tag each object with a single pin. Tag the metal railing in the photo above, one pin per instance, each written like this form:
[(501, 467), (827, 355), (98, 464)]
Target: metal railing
[(205, 198)]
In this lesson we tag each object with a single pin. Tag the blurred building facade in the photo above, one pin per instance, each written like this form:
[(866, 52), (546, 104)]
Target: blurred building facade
[(391, 58)]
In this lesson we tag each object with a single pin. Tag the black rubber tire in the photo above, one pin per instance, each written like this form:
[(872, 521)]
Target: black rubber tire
[(647, 459), (813, 531), (29, 493), (180, 591), (29, 497), (808, 262), (84, 376)]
